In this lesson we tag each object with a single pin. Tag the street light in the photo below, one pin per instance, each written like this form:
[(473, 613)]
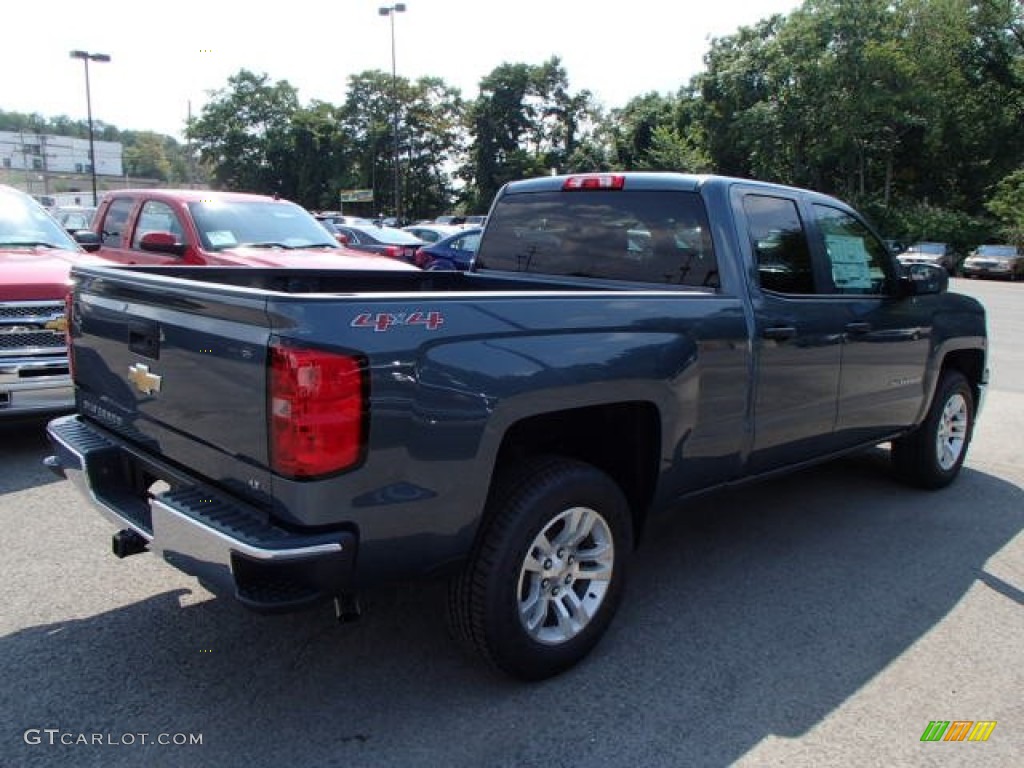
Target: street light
[(86, 57), (391, 10)]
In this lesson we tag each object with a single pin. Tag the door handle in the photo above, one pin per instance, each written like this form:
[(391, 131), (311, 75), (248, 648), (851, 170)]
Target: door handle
[(779, 332), (858, 327)]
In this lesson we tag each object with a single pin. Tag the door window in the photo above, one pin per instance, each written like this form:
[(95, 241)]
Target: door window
[(779, 243), (858, 262), (115, 222), (156, 216)]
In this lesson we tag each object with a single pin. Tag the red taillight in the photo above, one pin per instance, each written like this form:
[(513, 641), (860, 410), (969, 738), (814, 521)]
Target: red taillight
[(69, 303), (393, 252), (317, 411), (594, 181), (420, 258)]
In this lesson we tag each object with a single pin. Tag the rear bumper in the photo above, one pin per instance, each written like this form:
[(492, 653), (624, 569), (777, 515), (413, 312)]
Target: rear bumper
[(231, 547)]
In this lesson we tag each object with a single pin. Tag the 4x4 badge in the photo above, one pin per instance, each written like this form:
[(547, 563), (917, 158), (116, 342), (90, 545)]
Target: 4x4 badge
[(147, 383)]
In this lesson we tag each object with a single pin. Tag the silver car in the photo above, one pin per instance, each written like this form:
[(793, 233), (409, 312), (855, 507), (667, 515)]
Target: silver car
[(937, 254), (1004, 261)]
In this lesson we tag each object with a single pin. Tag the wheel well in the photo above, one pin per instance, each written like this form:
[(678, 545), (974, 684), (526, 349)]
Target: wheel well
[(620, 439), (969, 362)]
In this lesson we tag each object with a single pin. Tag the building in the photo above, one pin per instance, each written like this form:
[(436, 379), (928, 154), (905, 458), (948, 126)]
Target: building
[(44, 163)]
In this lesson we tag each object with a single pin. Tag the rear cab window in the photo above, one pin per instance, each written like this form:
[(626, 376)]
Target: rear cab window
[(649, 236)]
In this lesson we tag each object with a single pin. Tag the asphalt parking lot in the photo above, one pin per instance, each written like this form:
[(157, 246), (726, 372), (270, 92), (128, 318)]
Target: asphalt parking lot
[(824, 619)]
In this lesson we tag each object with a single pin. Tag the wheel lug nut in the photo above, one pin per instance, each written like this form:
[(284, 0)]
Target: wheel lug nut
[(548, 564), (571, 560), (568, 579), (561, 553), (555, 591), (545, 583)]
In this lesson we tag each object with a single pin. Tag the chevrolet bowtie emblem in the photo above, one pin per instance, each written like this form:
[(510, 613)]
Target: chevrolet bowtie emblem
[(147, 383), (59, 324)]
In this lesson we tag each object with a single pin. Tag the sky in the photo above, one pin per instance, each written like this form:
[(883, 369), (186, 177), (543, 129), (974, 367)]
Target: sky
[(166, 57)]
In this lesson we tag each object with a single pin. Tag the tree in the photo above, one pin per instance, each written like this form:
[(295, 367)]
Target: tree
[(1007, 205), (242, 132), (145, 155), (524, 123)]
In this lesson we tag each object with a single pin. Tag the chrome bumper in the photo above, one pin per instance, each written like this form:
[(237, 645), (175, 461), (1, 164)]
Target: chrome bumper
[(33, 385), (228, 545)]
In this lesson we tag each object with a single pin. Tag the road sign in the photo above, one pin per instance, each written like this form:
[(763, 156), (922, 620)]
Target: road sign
[(355, 196)]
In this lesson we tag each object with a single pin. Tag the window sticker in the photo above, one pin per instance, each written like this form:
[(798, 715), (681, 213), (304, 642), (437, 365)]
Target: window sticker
[(221, 238), (850, 262)]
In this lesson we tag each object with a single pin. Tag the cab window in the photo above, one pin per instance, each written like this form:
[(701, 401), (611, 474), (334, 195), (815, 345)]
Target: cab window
[(779, 244), (858, 262), (648, 236), (156, 216), (115, 221)]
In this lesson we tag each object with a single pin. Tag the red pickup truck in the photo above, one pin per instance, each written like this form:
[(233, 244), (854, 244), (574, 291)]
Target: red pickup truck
[(36, 256), (201, 227)]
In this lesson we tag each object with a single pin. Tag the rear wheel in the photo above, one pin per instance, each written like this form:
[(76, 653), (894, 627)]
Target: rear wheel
[(549, 570), (932, 455)]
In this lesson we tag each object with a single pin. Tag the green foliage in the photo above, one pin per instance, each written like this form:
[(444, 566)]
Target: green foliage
[(524, 123), (910, 108), (1007, 205)]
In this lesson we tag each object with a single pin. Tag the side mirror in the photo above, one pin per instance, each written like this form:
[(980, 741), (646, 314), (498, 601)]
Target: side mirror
[(88, 239), (923, 279), (343, 239), (162, 242)]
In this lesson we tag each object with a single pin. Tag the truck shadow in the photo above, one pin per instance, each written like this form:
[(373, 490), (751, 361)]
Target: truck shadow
[(23, 446), (758, 612)]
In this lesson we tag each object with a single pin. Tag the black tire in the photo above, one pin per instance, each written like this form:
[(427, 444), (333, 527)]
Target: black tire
[(528, 600), (931, 456)]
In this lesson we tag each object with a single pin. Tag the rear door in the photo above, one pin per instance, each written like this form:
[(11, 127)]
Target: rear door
[(798, 333)]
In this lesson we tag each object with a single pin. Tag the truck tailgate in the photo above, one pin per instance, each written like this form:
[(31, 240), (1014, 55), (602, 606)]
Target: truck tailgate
[(178, 369)]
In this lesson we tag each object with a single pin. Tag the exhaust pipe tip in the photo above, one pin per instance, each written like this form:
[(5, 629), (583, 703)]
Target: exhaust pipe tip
[(53, 464), (126, 543)]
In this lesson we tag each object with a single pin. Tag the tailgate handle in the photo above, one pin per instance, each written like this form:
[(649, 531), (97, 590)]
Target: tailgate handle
[(145, 340)]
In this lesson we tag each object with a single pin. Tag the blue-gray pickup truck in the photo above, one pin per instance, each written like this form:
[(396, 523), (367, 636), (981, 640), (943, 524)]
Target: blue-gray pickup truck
[(621, 342)]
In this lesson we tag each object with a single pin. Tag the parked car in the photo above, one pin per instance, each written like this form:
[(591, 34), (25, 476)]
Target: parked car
[(431, 233), (939, 254), (74, 217), (1005, 261), (195, 227), (36, 256), (335, 218), (453, 252), (386, 241)]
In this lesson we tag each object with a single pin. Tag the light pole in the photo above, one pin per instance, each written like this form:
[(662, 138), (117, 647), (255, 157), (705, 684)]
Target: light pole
[(86, 57), (391, 10)]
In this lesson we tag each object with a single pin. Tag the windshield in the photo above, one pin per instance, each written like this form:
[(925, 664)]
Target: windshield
[(234, 223), (936, 248), (24, 222), (1005, 251), (390, 236)]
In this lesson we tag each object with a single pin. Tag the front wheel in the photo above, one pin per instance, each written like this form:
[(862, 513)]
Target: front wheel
[(548, 572), (931, 456)]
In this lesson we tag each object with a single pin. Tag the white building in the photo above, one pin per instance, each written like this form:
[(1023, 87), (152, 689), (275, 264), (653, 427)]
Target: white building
[(48, 154)]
